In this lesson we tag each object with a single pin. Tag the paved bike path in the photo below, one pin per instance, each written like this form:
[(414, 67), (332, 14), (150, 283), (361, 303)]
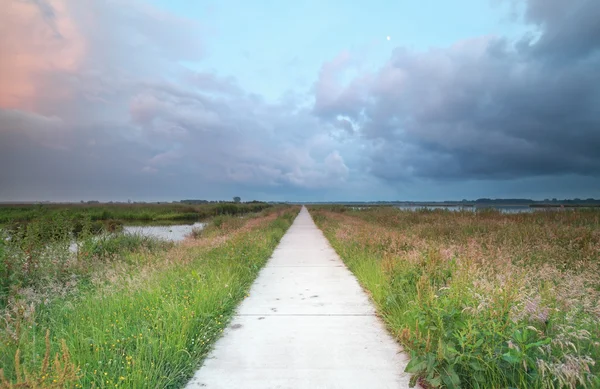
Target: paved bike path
[(307, 324)]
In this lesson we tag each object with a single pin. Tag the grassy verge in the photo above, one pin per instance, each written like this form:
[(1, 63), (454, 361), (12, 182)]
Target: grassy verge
[(147, 319), (481, 300)]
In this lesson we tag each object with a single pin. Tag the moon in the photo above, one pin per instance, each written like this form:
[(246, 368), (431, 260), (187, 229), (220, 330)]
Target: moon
[(388, 38)]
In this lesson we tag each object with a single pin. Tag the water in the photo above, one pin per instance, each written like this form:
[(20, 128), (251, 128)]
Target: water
[(457, 208), (434, 207), (175, 233), (509, 208)]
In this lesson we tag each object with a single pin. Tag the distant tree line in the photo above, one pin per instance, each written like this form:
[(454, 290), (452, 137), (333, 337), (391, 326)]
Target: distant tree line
[(235, 200), (530, 201), (481, 201)]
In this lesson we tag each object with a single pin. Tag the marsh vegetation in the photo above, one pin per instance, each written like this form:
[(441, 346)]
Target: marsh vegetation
[(11, 213), (123, 310), (481, 299)]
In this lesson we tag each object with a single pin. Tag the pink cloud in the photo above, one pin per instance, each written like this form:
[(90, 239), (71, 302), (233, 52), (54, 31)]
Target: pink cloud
[(32, 44)]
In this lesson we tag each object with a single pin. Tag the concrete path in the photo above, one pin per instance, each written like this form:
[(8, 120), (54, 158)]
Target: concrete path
[(307, 324)]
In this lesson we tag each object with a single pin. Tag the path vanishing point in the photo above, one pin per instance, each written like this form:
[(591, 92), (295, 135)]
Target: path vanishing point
[(307, 324)]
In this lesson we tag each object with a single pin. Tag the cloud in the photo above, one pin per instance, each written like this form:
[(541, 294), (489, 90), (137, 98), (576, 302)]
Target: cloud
[(569, 27), (332, 98), (210, 82), (35, 37), (484, 108), (96, 102), (45, 131), (238, 138), (105, 86)]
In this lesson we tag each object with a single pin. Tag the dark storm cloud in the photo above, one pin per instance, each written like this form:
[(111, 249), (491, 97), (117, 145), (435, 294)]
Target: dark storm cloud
[(570, 28), (483, 108)]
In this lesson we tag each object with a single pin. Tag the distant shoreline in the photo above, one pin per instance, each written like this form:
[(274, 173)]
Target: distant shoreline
[(462, 205), (564, 205), (494, 203)]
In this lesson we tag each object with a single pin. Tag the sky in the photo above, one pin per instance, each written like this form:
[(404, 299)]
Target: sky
[(309, 100)]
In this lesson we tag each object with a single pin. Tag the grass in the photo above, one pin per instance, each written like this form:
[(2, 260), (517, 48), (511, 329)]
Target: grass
[(481, 299), (34, 241), (146, 317), (37, 255), (10, 213)]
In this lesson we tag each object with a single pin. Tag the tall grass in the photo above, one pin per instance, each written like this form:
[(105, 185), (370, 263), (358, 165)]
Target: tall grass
[(148, 319), (35, 239), (481, 300), (37, 255)]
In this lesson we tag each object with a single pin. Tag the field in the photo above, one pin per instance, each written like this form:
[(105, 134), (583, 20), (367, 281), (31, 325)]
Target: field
[(481, 299), (125, 311), (10, 213)]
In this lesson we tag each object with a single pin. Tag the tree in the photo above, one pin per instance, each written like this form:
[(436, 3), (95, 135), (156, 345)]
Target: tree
[(236, 199)]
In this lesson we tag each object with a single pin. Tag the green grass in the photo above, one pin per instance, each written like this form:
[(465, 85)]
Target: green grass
[(108, 247), (126, 212), (481, 300), (152, 316), (34, 240), (37, 255)]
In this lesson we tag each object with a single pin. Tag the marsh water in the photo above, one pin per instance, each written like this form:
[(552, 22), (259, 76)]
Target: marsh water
[(458, 208), (172, 233)]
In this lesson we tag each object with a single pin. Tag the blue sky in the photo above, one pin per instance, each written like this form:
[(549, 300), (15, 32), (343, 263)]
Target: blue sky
[(304, 100), (276, 47)]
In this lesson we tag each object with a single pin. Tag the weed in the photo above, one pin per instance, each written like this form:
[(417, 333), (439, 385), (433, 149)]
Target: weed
[(60, 374)]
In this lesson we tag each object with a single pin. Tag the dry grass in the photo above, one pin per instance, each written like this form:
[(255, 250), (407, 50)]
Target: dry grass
[(482, 299), (62, 373)]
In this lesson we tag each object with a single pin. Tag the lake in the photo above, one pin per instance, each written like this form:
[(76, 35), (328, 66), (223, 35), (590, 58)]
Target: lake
[(458, 208)]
